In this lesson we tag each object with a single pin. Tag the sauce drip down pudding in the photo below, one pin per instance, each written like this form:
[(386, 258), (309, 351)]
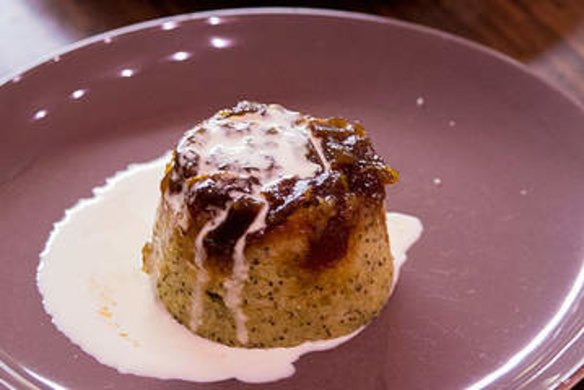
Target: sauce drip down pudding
[(271, 228)]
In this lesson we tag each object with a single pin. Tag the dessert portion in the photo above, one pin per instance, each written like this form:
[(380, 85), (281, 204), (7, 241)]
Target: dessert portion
[(271, 229), (108, 308)]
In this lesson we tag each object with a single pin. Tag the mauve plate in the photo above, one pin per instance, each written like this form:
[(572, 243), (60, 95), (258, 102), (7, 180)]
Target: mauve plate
[(492, 160)]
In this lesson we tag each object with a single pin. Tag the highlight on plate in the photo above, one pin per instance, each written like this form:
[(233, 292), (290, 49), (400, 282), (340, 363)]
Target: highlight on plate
[(264, 236)]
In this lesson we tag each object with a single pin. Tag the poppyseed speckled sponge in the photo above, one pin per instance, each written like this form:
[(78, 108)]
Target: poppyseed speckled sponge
[(271, 229)]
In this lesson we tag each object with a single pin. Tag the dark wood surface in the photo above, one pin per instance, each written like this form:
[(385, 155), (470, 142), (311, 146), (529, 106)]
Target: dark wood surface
[(546, 35)]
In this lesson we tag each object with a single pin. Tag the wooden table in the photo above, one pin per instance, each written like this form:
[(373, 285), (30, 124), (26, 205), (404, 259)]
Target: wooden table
[(546, 35)]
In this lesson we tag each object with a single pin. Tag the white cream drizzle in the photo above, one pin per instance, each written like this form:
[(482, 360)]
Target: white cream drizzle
[(277, 139), (317, 144), (93, 287), (202, 276), (176, 203), (234, 285)]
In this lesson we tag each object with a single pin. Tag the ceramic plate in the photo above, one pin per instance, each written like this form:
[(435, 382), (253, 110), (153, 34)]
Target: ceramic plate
[(491, 157)]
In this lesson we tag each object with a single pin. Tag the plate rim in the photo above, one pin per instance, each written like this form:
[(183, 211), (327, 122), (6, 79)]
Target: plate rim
[(302, 11)]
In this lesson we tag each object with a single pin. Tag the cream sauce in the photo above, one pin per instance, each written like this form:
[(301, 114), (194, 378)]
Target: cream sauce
[(92, 285)]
